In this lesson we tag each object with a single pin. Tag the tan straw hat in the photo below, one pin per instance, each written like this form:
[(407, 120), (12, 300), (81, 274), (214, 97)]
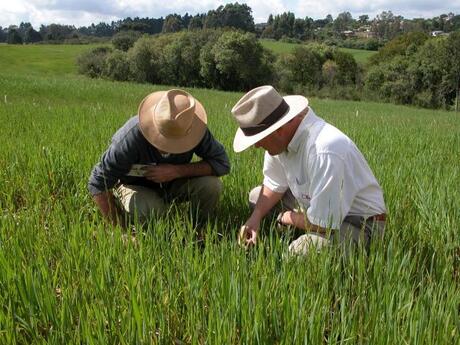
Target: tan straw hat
[(262, 111), (172, 121)]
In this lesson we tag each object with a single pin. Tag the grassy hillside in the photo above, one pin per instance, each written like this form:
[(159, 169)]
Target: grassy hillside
[(360, 55), (66, 277), (40, 60)]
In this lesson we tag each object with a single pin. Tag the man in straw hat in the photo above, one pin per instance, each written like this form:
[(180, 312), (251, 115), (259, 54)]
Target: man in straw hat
[(318, 175), (148, 163)]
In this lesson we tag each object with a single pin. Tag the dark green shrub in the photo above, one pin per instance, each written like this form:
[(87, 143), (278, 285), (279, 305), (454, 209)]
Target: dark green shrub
[(92, 62), (347, 68), (392, 81), (145, 58), (302, 67), (398, 46), (125, 39), (180, 62), (14, 37), (117, 66), (237, 61)]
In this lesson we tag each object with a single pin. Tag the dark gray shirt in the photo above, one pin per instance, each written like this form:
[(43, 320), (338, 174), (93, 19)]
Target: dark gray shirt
[(130, 147)]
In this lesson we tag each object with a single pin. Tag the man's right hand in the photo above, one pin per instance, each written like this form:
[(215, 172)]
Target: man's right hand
[(106, 204), (248, 233)]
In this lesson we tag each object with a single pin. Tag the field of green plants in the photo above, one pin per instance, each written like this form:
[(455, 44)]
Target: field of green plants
[(360, 55), (68, 278)]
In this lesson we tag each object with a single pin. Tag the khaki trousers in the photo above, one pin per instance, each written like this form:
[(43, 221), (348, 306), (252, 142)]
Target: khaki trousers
[(143, 203), (352, 232)]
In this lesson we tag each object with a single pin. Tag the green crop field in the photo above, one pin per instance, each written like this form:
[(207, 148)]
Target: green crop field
[(68, 278), (360, 55)]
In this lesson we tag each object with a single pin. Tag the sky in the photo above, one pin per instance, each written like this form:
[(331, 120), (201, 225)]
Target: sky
[(85, 12)]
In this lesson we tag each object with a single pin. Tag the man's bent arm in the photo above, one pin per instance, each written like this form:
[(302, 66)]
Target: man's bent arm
[(300, 220), (201, 168), (248, 232), (266, 201)]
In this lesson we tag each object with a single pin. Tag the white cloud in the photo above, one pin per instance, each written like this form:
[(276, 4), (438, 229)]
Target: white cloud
[(85, 12), (262, 9)]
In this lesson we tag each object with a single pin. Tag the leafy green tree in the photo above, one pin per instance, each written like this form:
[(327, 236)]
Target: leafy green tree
[(386, 25), (56, 32), (329, 72), (116, 66), (237, 61), (238, 16), (303, 67), (32, 36), (196, 23), (363, 19), (283, 25), (143, 25), (103, 30), (452, 66), (392, 81), (23, 27), (3, 35), (92, 63), (14, 37), (145, 58), (299, 28), (344, 21), (125, 39), (172, 23), (399, 46), (428, 69), (347, 68), (180, 63)]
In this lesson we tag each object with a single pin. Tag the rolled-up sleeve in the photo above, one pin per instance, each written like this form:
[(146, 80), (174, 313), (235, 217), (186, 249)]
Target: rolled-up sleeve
[(274, 177), (213, 152)]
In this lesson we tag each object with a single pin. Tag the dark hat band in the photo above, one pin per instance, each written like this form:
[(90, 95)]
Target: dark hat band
[(274, 116)]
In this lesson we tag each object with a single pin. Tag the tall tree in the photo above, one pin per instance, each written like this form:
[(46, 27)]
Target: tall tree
[(235, 15), (344, 21), (32, 36), (14, 37), (363, 19), (3, 35), (386, 25), (172, 23), (196, 22)]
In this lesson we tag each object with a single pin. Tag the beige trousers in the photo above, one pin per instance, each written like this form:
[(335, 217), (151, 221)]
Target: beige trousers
[(351, 233), (143, 203)]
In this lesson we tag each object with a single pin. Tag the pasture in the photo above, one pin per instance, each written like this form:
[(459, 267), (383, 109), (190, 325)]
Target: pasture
[(67, 277), (361, 56)]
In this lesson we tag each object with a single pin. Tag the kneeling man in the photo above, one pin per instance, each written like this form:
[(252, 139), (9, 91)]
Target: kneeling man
[(317, 173), (148, 163)]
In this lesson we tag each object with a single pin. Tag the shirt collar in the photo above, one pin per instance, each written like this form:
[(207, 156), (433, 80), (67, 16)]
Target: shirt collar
[(302, 131)]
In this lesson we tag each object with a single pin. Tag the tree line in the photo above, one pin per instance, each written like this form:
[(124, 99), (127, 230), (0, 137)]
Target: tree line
[(372, 33), (413, 68)]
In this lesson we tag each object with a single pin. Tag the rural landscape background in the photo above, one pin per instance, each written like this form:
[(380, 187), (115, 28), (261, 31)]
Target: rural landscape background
[(67, 277)]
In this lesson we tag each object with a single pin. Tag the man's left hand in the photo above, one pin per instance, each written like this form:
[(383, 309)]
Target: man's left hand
[(162, 173)]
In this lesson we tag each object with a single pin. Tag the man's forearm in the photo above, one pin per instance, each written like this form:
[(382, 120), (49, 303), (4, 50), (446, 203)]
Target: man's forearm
[(106, 204), (202, 168), (266, 201), (300, 220)]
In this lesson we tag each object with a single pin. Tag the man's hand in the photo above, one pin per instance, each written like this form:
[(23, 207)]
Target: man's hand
[(248, 233), (106, 204), (162, 173)]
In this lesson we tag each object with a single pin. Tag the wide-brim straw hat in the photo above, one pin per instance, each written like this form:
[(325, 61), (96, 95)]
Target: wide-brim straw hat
[(262, 111), (173, 121)]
